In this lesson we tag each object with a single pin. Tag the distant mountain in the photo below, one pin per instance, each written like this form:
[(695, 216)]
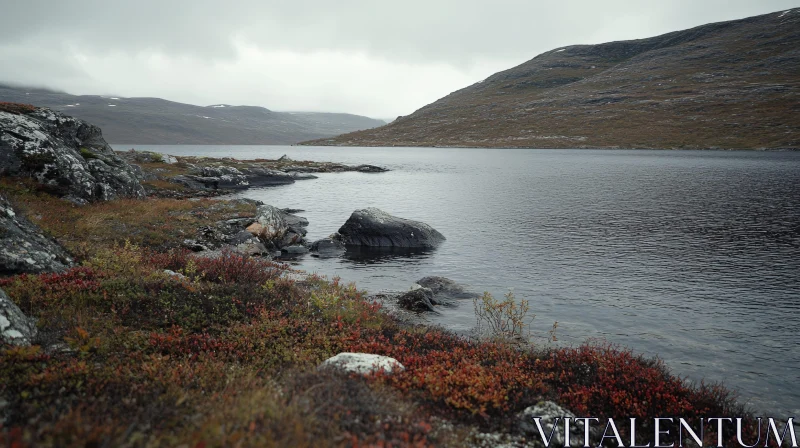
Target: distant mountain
[(157, 121), (730, 85)]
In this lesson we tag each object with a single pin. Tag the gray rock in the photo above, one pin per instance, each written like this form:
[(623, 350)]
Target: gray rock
[(376, 228), (327, 248), (278, 229), (369, 169), (444, 290), (15, 327), (296, 250), (24, 248), (265, 177), (174, 274), (548, 411), (67, 156), (362, 363), (418, 299), (301, 176)]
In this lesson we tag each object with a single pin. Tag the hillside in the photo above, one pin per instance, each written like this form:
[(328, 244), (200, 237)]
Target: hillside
[(729, 85), (158, 121)]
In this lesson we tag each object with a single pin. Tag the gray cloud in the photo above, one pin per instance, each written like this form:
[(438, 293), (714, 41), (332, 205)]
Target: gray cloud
[(368, 57)]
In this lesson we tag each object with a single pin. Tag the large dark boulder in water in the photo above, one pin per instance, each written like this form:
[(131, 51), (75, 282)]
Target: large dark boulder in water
[(23, 247), (68, 156), (376, 228)]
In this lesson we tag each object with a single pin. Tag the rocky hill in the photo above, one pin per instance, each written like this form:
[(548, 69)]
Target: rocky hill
[(729, 85), (158, 121)]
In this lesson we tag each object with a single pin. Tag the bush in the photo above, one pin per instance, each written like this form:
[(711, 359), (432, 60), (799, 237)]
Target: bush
[(502, 320), (16, 108), (87, 154)]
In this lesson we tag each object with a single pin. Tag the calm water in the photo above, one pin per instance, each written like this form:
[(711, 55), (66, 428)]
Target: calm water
[(691, 256)]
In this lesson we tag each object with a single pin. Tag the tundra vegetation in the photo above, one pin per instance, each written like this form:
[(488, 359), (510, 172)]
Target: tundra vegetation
[(226, 353)]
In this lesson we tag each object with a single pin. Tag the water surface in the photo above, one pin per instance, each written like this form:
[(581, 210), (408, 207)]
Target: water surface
[(693, 256)]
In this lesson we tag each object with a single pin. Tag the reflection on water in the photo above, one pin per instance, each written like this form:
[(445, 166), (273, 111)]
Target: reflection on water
[(693, 256)]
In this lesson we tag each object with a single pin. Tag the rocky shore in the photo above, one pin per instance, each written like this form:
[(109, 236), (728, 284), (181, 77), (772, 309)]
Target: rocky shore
[(135, 311)]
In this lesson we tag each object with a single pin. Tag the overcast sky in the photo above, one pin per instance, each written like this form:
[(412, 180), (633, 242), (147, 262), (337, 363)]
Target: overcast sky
[(372, 57)]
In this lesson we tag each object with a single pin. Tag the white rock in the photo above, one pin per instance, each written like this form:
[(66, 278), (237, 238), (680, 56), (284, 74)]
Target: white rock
[(362, 363)]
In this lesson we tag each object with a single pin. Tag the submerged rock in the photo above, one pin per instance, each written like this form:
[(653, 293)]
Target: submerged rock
[(67, 156), (362, 363), (24, 248), (327, 248), (376, 228), (15, 327)]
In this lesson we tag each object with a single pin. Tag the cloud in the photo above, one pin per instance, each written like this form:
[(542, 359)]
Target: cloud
[(376, 58)]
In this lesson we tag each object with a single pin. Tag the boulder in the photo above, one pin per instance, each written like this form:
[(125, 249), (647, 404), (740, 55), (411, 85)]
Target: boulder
[(15, 327), (24, 248), (547, 412), (418, 299), (362, 363), (376, 228), (278, 229), (443, 288), (67, 156), (327, 248)]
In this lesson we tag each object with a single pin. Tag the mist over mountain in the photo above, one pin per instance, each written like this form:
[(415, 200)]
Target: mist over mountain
[(159, 121), (732, 84)]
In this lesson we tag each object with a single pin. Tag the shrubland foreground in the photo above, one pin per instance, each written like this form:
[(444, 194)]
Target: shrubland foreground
[(226, 353)]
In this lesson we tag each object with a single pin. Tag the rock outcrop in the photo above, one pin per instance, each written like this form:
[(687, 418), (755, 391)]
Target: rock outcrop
[(362, 363), (67, 156), (15, 327), (376, 228), (24, 248)]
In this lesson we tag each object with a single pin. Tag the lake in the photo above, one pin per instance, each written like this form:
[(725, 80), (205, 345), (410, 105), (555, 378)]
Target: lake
[(693, 256)]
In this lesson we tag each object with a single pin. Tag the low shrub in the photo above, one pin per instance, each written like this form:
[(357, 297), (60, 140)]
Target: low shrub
[(16, 108)]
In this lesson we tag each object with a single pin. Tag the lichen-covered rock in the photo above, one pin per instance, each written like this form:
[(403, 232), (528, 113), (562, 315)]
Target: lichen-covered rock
[(362, 363), (547, 412), (278, 229), (15, 327), (24, 248), (376, 228), (68, 156)]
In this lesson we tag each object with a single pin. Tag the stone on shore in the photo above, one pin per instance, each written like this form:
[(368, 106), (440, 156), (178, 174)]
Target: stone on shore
[(376, 228), (548, 411), (362, 363)]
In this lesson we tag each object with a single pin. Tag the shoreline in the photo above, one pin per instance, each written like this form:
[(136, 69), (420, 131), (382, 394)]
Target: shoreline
[(510, 379)]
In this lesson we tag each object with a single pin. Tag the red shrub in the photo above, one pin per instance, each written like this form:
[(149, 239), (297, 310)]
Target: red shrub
[(16, 108), (231, 267)]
